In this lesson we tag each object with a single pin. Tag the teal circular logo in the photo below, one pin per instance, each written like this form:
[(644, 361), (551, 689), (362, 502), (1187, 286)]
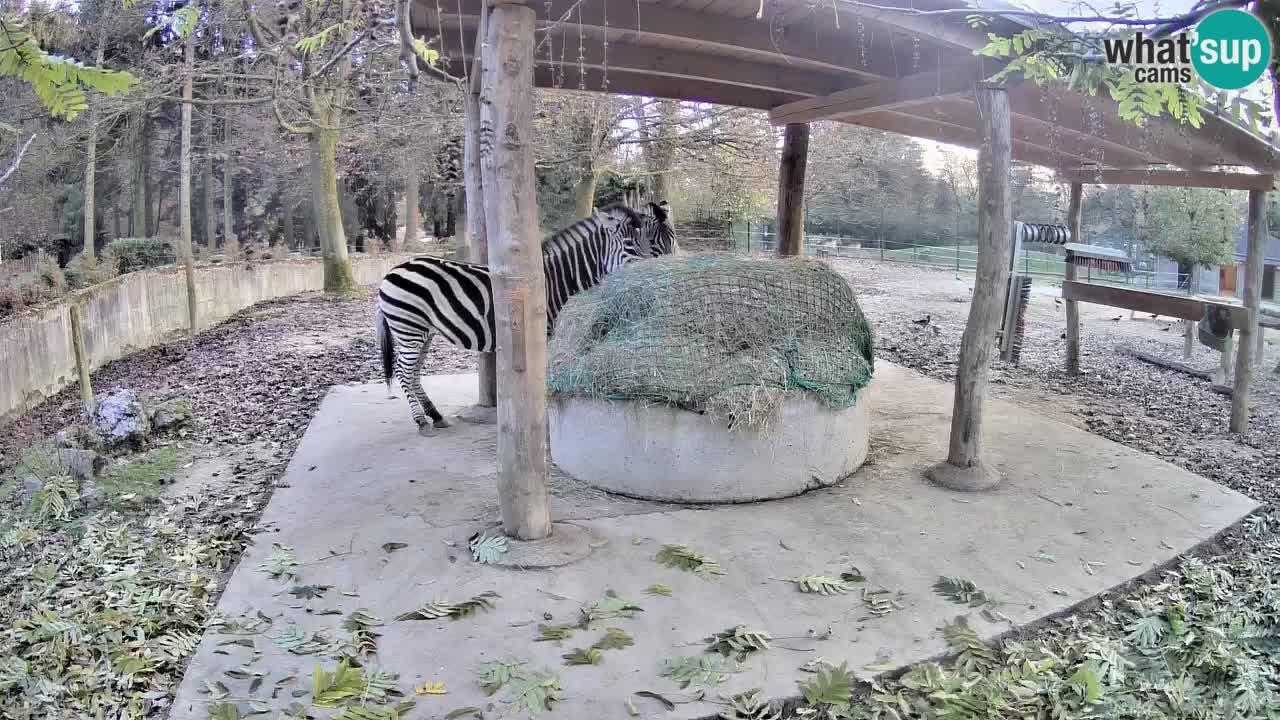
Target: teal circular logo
[(1231, 50)]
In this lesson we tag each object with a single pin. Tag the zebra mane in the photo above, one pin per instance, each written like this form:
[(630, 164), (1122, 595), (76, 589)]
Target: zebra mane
[(636, 221), (592, 221)]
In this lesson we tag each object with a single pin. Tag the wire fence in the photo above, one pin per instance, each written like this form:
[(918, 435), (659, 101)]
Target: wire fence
[(960, 258)]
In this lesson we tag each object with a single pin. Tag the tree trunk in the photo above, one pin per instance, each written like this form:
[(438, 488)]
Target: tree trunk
[(1252, 297), (584, 193), (669, 115), (91, 176), (286, 229), (412, 214), (963, 469), (184, 184), (210, 211), (515, 259), (328, 212), (230, 243), (153, 225), (1074, 208), (795, 155), (115, 216), (138, 177), (477, 237), (659, 145), (1224, 360)]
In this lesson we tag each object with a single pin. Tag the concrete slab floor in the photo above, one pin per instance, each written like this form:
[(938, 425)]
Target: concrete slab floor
[(1077, 515)]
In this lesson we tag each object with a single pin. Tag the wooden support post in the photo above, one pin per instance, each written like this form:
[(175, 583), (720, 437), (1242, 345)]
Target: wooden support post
[(82, 359), (477, 237), (515, 260), (1224, 360), (1188, 339), (963, 469), (1252, 296), (795, 157), (1073, 308)]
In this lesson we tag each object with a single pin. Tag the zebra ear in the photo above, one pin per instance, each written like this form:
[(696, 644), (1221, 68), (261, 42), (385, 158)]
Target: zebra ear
[(660, 210)]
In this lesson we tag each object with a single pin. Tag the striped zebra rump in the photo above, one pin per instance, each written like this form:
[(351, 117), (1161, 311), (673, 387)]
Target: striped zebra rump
[(1041, 233), (428, 294)]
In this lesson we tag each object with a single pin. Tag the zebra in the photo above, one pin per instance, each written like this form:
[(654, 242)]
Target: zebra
[(427, 295)]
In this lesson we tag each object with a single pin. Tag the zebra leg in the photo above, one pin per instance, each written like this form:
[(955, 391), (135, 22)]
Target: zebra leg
[(409, 352), (437, 419)]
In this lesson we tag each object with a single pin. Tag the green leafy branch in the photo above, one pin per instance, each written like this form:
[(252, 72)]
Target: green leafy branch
[(1045, 57), (59, 82)]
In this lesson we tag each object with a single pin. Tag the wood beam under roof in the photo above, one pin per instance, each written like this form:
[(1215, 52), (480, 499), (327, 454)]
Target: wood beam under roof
[(662, 62), (702, 33), (1044, 133), (1169, 178), (919, 89), (954, 134), (572, 78)]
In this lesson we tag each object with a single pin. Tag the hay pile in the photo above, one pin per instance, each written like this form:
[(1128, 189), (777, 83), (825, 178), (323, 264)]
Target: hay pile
[(720, 334)]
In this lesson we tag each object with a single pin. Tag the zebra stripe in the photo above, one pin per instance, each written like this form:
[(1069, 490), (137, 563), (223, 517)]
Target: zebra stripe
[(426, 296), (657, 232), (1041, 233)]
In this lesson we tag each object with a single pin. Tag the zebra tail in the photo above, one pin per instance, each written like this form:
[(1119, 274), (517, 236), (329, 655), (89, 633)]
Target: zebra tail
[(385, 345)]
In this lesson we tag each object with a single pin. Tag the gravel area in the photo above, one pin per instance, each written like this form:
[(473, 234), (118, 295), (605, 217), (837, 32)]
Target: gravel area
[(1161, 412)]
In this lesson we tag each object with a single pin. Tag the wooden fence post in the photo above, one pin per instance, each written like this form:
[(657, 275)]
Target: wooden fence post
[(1074, 208), (515, 260), (795, 157), (1252, 297), (963, 469), (82, 358)]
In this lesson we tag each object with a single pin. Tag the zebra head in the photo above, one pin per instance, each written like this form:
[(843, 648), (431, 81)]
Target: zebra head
[(657, 231), (621, 227)]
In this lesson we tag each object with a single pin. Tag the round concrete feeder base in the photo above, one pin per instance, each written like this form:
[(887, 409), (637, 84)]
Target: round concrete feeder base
[(657, 452)]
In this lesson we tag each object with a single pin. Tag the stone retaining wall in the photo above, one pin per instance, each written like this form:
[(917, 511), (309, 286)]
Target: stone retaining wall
[(139, 310)]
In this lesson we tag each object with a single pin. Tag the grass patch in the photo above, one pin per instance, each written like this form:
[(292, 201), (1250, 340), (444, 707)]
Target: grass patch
[(141, 477)]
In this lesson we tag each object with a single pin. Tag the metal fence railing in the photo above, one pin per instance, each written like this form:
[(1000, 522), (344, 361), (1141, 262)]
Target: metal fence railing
[(961, 259)]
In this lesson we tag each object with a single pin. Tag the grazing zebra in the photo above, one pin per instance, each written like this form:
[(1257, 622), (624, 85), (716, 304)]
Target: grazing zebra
[(428, 295)]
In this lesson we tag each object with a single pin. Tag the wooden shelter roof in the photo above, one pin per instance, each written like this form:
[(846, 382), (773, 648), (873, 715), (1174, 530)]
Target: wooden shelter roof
[(805, 60)]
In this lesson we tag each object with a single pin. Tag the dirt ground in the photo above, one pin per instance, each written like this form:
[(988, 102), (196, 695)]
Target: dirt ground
[(1164, 413)]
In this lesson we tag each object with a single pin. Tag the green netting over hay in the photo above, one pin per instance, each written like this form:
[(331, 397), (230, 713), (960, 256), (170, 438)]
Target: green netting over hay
[(714, 333)]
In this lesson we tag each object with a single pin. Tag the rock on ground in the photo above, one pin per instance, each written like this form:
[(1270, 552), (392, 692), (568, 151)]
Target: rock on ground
[(121, 420)]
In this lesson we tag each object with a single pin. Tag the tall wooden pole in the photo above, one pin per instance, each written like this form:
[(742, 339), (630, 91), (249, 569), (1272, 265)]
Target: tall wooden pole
[(184, 182), (795, 157), (82, 358), (477, 237), (90, 205), (1074, 208), (1252, 296), (515, 260), (963, 469)]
